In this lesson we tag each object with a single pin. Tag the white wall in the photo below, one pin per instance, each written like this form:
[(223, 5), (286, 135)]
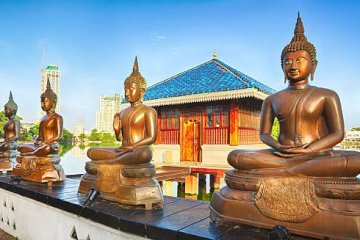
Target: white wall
[(166, 153), (38, 221), (217, 154)]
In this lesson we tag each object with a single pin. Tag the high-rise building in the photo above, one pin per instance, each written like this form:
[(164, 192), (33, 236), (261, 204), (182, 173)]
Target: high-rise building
[(52, 73), (109, 105)]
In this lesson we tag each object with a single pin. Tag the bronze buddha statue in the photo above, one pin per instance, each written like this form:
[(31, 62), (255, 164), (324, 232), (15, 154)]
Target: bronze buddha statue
[(297, 180), (120, 172), (8, 148), (40, 161)]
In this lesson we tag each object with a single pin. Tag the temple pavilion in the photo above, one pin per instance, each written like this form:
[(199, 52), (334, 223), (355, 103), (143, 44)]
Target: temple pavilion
[(205, 112)]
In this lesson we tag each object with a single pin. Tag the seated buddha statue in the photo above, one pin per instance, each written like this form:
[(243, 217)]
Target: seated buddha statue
[(113, 169), (41, 158), (12, 134), (311, 123), (300, 182)]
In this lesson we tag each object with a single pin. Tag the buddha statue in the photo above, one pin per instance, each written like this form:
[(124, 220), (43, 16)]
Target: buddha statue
[(8, 150), (40, 161), (300, 182), (124, 174)]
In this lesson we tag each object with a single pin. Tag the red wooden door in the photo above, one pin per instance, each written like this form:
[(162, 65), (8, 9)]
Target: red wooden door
[(190, 146)]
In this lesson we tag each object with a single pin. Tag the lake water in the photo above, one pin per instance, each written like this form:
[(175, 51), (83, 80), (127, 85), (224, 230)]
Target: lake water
[(195, 186)]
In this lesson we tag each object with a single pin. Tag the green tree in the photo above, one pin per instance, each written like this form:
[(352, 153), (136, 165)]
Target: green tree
[(355, 129), (94, 135), (275, 129), (82, 137), (108, 138), (3, 120), (67, 137)]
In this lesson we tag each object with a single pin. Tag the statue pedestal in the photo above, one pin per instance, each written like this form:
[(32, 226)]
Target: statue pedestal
[(7, 160), (314, 207), (39, 169), (126, 184)]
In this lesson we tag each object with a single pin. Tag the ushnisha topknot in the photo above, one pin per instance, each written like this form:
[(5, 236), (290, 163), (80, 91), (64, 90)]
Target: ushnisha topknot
[(50, 94), (299, 42), (136, 77), (11, 104)]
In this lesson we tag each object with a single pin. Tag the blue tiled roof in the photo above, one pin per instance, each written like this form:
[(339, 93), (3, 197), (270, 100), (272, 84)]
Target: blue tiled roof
[(211, 76)]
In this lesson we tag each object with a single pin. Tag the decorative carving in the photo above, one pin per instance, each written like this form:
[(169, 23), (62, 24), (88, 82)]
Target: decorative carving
[(287, 199)]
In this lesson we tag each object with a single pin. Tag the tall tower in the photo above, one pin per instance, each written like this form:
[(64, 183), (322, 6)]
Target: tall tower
[(109, 105), (52, 73)]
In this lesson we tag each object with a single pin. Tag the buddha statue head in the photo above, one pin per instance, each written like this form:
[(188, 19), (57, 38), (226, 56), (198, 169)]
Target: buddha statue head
[(137, 83), (10, 107), (48, 99), (303, 53)]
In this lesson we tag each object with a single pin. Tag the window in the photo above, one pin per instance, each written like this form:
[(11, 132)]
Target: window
[(249, 121), (169, 130), (217, 124), (217, 116)]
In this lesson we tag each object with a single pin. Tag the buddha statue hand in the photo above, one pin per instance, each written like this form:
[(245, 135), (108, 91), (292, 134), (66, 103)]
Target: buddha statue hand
[(124, 149)]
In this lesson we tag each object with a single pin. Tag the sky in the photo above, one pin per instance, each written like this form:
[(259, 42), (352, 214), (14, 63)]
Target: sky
[(94, 44)]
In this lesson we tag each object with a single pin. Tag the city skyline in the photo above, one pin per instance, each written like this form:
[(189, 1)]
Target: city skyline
[(94, 44)]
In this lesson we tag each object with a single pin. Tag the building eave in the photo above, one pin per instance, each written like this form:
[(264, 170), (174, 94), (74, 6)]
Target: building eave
[(207, 97)]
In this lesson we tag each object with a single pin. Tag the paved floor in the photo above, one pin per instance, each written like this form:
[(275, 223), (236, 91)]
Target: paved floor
[(5, 236)]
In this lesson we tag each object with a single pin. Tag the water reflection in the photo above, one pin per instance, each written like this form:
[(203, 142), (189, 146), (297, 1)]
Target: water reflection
[(196, 186), (73, 161)]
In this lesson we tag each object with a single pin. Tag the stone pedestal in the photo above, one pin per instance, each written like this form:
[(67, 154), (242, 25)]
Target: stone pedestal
[(126, 184), (7, 160), (314, 207), (39, 169)]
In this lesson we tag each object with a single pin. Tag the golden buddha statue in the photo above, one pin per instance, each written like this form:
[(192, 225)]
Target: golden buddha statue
[(12, 133), (295, 182), (124, 174), (40, 162)]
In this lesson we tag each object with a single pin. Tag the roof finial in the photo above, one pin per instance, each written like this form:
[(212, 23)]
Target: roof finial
[(136, 66), (215, 55)]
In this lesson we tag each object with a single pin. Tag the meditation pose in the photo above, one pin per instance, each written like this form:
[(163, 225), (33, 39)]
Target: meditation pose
[(125, 174), (11, 129), (50, 128), (311, 123), (135, 127), (301, 183)]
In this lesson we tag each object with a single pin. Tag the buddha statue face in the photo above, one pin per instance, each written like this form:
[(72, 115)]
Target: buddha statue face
[(46, 104), (9, 112), (133, 92), (297, 66)]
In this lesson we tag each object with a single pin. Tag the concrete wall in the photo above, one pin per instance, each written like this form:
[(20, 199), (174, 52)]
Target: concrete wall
[(27, 219), (166, 153)]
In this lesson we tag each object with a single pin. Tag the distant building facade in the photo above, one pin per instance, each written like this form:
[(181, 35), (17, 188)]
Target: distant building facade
[(352, 136), (52, 73), (27, 126), (205, 112), (109, 105), (78, 130)]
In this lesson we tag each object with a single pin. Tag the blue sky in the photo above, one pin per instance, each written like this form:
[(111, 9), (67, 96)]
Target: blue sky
[(94, 44)]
